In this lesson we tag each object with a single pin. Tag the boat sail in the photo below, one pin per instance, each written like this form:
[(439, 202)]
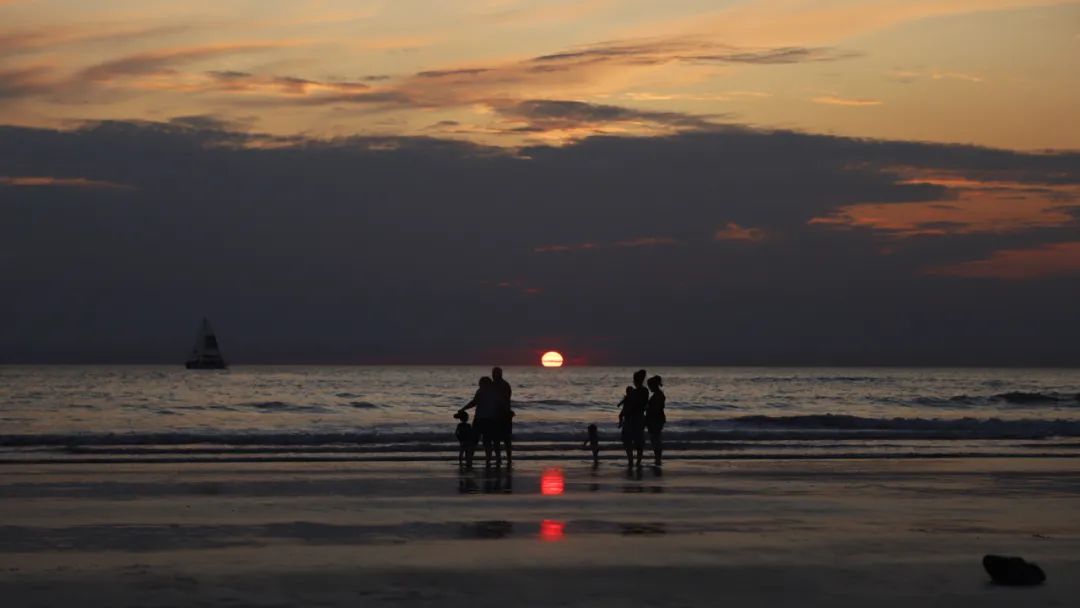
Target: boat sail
[(206, 354)]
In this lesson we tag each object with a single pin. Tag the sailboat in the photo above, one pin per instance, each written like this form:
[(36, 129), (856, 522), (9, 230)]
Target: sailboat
[(206, 354)]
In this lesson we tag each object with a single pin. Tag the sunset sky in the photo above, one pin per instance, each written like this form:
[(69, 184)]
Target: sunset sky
[(988, 72), (755, 181)]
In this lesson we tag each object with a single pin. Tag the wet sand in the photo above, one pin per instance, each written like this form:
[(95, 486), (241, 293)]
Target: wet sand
[(697, 533)]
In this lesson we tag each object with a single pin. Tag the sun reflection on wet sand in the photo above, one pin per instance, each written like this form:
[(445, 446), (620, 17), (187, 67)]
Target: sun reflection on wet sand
[(552, 530), (552, 482)]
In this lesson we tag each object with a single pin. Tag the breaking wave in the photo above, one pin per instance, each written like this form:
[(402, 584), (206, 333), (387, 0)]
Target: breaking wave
[(741, 428), (1013, 398)]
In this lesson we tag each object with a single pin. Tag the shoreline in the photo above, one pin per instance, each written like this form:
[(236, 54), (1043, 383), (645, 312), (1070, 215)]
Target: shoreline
[(557, 459)]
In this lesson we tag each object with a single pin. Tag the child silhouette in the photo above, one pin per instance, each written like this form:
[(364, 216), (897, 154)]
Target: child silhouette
[(593, 441), (466, 439)]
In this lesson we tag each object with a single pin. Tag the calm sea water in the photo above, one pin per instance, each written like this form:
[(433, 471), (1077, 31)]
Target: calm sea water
[(146, 412)]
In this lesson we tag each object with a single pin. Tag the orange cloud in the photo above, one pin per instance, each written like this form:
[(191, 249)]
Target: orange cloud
[(780, 22), (62, 182), (562, 248), (393, 43), (836, 100), (578, 72), (547, 116), (539, 98), (27, 80), (735, 232), (1056, 259), (521, 287), (160, 60), (47, 38), (970, 206), (288, 85), (956, 76), (647, 241)]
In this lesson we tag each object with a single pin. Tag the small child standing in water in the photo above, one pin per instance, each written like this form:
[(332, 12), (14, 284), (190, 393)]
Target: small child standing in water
[(593, 442), (466, 439)]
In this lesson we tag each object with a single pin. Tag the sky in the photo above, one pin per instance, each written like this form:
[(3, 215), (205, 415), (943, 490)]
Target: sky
[(751, 182)]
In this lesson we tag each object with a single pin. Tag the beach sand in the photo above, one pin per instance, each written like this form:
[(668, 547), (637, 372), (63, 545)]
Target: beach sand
[(888, 532)]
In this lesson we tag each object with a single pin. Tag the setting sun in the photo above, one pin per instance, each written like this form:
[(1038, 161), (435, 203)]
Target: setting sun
[(551, 359)]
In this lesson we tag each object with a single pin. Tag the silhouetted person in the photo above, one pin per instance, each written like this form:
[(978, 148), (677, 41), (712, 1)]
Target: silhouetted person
[(488, 421), (654, 416), (632, 419), (593, 442), (466, 439), (622, 404), (622, 417), (503, 390)]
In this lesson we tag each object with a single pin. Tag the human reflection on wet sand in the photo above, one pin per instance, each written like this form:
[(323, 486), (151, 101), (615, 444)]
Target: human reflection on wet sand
[(643, 528), (498, 482), (492, 481), (488, 529), (594, 473), (638, 475)]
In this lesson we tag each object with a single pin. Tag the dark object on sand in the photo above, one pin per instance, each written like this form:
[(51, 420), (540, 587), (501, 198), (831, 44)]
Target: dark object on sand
[(1012, 570)]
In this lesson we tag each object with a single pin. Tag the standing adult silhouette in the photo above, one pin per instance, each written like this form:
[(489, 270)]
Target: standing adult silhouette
[(654, 416), (632, 419), (488, 419), (506, 413)]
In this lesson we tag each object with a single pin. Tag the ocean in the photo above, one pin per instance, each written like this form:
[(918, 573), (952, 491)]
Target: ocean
[(315, 413)]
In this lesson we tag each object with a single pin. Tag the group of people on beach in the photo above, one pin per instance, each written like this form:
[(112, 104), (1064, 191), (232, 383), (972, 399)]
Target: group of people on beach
[(494, 423), (641, 410)]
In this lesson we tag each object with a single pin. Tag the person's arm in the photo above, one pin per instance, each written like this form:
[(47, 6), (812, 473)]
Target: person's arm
[(472, 403)]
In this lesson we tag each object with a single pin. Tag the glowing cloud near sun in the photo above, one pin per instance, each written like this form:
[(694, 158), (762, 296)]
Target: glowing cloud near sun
[(551, 359)]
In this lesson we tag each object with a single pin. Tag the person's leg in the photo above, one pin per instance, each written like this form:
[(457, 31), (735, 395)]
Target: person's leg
[(498, 451), (507, 437), (475, 444), (657, 444), (639, 443), (486, 437), (660, 444)]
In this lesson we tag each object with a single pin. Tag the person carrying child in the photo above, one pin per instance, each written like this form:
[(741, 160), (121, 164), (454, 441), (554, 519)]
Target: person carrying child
[(490, 421), (632, 418)]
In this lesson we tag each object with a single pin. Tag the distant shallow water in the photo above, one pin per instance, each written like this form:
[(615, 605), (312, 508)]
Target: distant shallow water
[(109, 413)]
